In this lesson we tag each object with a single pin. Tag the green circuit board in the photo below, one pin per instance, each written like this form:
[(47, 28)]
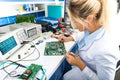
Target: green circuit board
[(34, 70), (54, 48)]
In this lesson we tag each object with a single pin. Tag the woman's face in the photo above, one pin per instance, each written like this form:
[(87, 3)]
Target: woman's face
[(79, 25)]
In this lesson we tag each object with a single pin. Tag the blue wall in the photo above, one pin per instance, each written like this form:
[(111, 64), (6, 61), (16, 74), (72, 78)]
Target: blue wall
[(12, 19), (27, 0)]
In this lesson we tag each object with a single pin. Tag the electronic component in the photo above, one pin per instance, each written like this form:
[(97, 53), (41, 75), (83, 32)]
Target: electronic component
[(31, 30), (9, 43), (54, 48), (21, 34), (26, 75), (31, 72), (19, 57)]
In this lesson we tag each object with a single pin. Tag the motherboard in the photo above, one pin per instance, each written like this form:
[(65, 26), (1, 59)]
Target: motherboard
[(54, 48)]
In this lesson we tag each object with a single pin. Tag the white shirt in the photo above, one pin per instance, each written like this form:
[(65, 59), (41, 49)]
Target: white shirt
[(99, 54)]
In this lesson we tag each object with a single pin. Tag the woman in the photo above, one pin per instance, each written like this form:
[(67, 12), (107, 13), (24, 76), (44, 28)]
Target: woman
[(97, 56)]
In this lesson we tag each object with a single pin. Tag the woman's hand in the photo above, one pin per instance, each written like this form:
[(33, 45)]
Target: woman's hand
[(75, 60), (65, 39)]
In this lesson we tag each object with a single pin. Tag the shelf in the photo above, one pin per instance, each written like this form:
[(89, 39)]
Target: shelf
[(28, 12)]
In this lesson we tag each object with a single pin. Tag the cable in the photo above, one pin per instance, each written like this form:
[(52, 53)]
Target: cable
[(24, 57), (35, 48), (32, 53), (20, 65), (9, 74), (42, 70), (37, 78), (44, 73)]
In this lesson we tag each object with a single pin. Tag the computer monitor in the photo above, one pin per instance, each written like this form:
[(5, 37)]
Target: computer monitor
[(55, 11)]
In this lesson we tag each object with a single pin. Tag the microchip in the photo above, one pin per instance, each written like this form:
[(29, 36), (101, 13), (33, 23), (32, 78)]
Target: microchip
[(54, 48), (26, 74)]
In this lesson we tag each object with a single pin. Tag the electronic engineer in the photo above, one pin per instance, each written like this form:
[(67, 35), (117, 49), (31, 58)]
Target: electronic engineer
[(97, 55)]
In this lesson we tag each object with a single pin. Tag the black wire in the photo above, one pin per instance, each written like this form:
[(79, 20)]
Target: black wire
[(37, 78), (9, 73), (31, 54), (44, 73), (42, 70), (7, 65), (25, 57), (20, 65)]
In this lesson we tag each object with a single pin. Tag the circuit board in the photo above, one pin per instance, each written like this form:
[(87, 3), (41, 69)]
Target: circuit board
[(54, 48), (34, 68)]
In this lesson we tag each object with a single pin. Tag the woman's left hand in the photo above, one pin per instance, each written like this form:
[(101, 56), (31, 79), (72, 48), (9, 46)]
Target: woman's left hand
[(75, 60)]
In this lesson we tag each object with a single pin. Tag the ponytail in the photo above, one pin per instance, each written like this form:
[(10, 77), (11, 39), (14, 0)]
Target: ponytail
[(105, 13)]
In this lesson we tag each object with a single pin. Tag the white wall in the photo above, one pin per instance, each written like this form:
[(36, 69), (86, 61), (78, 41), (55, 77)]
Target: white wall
[(14, 9), (9, 9), (115, 21)]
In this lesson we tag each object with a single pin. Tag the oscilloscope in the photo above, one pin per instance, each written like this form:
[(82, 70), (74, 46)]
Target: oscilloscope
[(9, 43)]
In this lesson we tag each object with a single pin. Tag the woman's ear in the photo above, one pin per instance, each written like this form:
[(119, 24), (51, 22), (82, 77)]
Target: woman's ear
[(90, 18)]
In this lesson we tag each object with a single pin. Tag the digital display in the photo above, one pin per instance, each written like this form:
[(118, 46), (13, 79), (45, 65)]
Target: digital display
[(7, 45), (32, 32)]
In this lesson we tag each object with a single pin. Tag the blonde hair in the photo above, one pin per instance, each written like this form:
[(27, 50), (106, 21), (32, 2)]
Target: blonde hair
[(80, 9)]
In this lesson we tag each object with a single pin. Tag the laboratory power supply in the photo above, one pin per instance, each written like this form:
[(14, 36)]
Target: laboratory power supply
[(31, 30)]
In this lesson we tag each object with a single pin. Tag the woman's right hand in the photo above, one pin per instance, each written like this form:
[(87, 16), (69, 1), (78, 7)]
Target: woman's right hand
[(75, 60), (65, 39)]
